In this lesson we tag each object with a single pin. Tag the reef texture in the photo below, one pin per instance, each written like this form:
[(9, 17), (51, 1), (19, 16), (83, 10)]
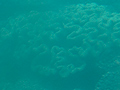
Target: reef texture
[(64, 43)]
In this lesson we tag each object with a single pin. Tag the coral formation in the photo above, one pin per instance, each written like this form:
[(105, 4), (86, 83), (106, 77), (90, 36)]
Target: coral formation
[(64, 43), (109, 81)]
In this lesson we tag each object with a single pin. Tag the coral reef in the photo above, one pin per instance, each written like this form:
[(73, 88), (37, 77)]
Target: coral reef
[(109, 81), (64, 43)]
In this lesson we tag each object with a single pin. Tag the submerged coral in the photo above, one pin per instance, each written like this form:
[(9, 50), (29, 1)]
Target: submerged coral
[(63, 43), (109, 81)]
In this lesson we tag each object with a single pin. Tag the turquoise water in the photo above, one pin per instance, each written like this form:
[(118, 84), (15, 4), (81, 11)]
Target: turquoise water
[(59, 45)]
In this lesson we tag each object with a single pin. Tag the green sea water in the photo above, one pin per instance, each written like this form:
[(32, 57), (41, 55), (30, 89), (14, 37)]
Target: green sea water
[(59, 45)]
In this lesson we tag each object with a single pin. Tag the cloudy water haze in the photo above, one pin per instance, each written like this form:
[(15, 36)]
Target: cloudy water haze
[(59, 45)]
